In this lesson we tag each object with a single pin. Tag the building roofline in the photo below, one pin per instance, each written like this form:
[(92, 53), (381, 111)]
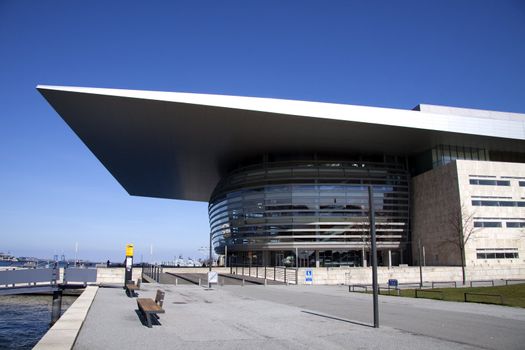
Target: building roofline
[(178, 145)]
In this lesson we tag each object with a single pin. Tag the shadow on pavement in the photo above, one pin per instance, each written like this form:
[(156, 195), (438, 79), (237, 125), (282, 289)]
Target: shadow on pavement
[(154, 319), (338, 319)]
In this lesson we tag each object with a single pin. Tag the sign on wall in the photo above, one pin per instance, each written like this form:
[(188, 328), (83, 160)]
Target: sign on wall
[(308, 276), (393, 283)]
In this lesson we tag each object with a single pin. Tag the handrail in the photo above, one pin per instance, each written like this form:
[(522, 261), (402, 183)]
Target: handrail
[(28, 276), (427, 291), (351, 288), (396, 289), (482, 294), (482, 281), (518, 280), (153, 271), (276, 273), (22, 279), (445, 282)]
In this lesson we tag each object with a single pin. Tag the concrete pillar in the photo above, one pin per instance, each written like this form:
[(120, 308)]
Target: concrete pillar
[(389, 259), (363, 253), (317, 264), (56, 306)]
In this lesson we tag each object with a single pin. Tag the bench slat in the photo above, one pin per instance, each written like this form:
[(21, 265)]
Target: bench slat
[(149, 305)]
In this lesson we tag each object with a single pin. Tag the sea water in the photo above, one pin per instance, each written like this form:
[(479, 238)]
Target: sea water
[(24, 319)]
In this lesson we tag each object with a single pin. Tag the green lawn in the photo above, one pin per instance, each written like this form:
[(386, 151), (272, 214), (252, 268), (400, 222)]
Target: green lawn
[(513, 295)]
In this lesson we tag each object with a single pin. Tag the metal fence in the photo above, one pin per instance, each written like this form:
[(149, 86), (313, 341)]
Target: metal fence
[(50, 276), (28, 276), (286, 275), (152, 271)]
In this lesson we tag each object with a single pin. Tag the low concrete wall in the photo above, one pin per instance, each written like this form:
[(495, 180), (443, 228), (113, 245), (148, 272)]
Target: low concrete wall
[(64, 332), (363, 275), (195, 269), (115, 274)]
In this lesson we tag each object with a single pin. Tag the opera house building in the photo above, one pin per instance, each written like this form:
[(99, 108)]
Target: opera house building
[(287, 181)]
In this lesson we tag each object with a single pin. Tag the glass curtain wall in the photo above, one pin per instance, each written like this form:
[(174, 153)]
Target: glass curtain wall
[(266, 214)]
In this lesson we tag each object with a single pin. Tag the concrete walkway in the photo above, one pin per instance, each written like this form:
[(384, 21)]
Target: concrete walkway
[(64, 332), (272, 317), (479, 325)]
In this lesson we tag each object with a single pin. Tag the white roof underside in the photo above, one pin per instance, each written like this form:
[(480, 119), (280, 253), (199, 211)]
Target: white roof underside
[(178, 145)]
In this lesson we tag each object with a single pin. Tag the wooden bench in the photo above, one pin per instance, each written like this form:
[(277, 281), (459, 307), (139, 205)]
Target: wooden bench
[(150, 307), (131, 287)]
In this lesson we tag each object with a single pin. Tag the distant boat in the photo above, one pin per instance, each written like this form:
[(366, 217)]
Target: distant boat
[(7, 259), (191, 263), (180, 262)]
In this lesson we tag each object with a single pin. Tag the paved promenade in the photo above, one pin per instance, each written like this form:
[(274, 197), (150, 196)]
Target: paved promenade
[(295, 317)]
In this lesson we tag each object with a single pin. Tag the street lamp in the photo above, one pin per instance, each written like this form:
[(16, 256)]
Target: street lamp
[(371, 213)]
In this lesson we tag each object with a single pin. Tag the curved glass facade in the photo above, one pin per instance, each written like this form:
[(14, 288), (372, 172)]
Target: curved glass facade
[(276, 212)]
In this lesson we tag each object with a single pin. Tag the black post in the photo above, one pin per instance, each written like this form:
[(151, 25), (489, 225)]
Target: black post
[(56, 308), (420, 268), (211, 263), (210, 254), (371, 212), (128, 264)]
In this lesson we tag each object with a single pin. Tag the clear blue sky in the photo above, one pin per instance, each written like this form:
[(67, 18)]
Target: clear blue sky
[(53, 191)]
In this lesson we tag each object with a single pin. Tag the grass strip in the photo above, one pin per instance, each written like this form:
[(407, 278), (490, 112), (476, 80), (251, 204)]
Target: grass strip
[(513, 295)]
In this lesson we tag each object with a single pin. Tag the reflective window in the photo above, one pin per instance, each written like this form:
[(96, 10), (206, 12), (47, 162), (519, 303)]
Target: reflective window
[(479, 203), (282, 209), (487, 224), (489, 182), (444, 154), (515, 224), (497, 253)]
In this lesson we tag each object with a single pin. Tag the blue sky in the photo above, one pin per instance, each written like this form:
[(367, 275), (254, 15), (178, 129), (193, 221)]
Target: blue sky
[(53, 191)]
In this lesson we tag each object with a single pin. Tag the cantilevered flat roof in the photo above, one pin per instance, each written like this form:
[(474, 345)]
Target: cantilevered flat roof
[(178, 145)]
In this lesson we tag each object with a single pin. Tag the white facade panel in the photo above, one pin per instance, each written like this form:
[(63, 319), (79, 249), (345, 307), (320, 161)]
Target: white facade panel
[(514, 129)]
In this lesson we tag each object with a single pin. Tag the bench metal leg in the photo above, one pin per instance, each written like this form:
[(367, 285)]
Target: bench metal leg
[(148, 319)]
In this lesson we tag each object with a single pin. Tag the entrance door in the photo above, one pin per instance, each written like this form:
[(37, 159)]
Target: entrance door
[(303, 258), (279, 257)]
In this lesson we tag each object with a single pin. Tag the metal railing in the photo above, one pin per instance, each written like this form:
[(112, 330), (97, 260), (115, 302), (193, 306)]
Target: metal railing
[(445, 282), (18, 281), (152, 271), (352, 287), (491, 282), (12, 278), (514, 281), (283, 274), (368, 288), (417, 292), (465, 295)]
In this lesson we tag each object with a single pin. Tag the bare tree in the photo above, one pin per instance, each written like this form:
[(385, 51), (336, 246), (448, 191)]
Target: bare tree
[(365, 239), (462, 225)]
